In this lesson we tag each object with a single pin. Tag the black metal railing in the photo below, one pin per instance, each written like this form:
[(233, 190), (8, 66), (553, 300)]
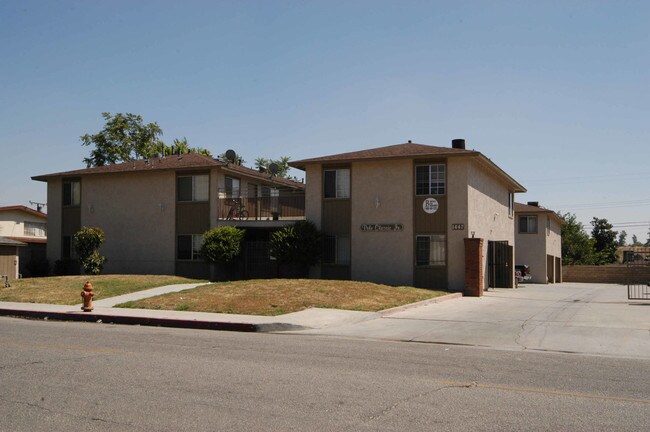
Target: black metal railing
[(287, 205)]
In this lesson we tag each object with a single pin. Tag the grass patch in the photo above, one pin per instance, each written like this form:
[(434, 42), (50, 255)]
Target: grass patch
[(66, 290), (280, 296)]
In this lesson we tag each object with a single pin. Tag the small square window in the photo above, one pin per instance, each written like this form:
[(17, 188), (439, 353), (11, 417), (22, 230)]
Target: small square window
[(528, 224), (336, 183)]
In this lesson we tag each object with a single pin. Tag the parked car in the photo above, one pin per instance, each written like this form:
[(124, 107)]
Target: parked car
[(522, 273)]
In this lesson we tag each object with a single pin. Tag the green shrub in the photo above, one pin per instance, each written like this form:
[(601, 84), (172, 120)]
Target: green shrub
[(222, 245), (86, 245), (298, 244)]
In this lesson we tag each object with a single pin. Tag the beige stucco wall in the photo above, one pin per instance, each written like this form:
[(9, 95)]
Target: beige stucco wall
[(488, 209), (532, 249), (12, 223), (457, 210), (382, 193), (54, 202), (313, 196), (137, 214)]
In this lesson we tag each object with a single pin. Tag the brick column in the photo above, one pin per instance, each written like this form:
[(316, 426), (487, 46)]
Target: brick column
[(473, 267)]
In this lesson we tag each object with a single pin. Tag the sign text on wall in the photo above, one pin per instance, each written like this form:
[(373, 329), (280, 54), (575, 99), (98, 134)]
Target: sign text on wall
[(382, 227)]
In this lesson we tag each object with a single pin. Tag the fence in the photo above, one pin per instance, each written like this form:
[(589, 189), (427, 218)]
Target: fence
[(285, 205), (615, 273)]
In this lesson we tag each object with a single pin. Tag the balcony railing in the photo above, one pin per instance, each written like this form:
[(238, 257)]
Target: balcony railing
[(287, 205)]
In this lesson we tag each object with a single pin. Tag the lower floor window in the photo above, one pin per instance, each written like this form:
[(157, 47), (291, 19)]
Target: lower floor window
[(188, 247), (430, 250), (336, 249)]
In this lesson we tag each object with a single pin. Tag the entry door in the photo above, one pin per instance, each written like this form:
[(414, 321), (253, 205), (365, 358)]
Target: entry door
[(500, 264)]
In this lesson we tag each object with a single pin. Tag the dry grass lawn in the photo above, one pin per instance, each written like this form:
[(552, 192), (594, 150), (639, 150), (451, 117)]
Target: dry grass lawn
[(66, 290), (280, 296)]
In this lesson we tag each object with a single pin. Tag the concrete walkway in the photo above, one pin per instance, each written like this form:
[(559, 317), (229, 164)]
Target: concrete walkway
[(139, 295), (568, 317)]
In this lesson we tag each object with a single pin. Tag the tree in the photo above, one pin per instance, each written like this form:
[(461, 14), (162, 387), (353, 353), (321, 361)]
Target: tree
[(622, 236), (577, 247), (86, 244), (635, 241), (125, 137), (238, 159), (647, 243), (282, 163), (180, 146), (604, 241), (298, 244)]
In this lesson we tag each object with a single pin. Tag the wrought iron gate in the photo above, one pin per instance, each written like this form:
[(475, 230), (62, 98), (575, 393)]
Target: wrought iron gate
[(638, 285), (500, 264)]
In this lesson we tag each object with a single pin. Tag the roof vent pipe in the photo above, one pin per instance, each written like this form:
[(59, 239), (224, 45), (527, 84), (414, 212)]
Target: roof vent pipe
[(458, 144), (533, 203)]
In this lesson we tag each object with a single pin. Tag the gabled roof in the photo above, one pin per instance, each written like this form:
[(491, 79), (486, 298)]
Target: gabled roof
[(397, 151), (189, 161), (525, 208), (4, 241), (23, 209), (407, 151)]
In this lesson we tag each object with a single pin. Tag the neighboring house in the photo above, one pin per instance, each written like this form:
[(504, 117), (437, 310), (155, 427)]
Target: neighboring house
[(27, 226), (538, 237), (413, 214), (9, 259), (154, 211), (632, 254)]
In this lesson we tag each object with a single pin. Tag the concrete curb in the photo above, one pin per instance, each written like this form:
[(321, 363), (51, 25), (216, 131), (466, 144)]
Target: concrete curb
[(441, 299), (149, 321)]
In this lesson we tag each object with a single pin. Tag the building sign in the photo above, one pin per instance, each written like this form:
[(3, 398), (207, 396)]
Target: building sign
[(457, 227), (382, 227), (430, 205)]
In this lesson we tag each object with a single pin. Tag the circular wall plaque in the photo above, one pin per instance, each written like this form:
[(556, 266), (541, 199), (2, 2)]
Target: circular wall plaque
[(430, 205)]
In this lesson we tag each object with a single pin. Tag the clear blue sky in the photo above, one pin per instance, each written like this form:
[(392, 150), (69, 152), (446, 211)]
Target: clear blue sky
[(556, 93)]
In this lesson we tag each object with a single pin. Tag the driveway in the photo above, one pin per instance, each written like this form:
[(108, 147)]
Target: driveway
[(568, 317)]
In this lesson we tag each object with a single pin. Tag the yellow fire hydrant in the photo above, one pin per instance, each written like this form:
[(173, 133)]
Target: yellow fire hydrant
[(87, 294)]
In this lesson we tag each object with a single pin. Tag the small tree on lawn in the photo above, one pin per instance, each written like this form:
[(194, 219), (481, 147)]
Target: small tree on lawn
[(298, 244), (222, 245), (86, 244)]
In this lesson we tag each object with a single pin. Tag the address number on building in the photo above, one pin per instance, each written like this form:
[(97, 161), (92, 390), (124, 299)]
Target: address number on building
[(457, 227)]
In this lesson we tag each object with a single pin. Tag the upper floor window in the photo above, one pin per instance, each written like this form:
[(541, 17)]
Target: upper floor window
[(528, 224), (35, 229), (71, 193), (193, 188), (548, 225), (430, 179), (336, 183), (232, 187)]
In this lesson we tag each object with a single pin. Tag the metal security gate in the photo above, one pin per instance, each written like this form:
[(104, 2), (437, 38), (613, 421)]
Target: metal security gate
[(257, 260), (500, 264), (638, 286)]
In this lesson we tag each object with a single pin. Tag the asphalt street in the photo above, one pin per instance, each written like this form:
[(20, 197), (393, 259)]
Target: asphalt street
[(60, 376)]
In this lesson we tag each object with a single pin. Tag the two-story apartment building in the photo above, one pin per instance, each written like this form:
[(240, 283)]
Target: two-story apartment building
[(413, 214), (28, 227), (538, 235), (154, 211)]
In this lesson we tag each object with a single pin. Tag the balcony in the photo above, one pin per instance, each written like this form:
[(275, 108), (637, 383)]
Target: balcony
[(282, 208)]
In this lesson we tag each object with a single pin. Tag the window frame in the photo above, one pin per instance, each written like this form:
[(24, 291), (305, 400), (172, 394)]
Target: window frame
[(511, 204), (339, 193), (339, 259), (431, 189), (431, 239), (196, 241), (194, 197), (41, 227), (74, 194), (528, 217), (231, 191)]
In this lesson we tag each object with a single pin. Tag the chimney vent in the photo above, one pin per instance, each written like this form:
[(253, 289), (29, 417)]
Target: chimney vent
[(409, 141), (533, 203), (458, 144)]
